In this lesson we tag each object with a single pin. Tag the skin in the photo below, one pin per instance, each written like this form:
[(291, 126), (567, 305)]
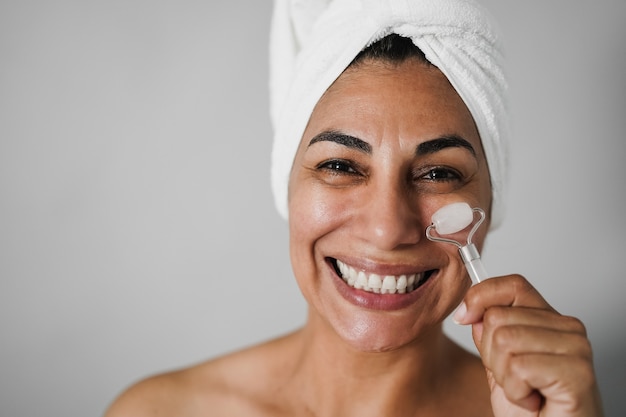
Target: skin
[(365, 182)]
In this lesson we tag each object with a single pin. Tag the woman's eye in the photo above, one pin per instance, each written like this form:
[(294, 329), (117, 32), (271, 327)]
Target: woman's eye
[(441, 174), (438, 180), (338, 166)]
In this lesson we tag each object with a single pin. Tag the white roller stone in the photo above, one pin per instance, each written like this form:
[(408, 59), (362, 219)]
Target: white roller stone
[(452, 218)]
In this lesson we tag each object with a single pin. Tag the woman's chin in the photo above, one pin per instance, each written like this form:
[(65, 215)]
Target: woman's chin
[(376, 334)]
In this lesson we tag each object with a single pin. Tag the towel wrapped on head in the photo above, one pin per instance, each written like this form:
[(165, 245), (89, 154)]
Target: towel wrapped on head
[(313, 41)]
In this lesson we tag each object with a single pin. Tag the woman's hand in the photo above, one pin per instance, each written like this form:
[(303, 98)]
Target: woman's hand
[(538, 362)]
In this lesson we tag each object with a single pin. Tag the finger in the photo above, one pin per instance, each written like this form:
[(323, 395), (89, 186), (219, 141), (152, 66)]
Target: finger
[(528, 407), (528, 329), (499, 316), (510, 342), (566, 382), (510, 290)]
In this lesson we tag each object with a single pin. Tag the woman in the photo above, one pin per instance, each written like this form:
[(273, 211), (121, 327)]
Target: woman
[(385, 143)]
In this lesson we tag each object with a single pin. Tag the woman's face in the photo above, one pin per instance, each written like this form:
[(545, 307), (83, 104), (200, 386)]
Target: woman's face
[(386, 146)]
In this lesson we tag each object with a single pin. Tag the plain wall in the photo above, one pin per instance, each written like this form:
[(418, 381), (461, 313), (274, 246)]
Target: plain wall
[(137, 229)]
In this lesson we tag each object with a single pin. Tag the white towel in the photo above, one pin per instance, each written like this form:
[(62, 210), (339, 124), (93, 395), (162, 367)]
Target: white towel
[(313, 41)]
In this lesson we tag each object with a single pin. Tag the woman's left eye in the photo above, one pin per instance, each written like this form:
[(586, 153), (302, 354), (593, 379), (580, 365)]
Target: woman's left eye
[(440, 174)]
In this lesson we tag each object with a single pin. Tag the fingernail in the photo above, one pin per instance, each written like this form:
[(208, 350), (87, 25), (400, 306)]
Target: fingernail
[(459, 314)]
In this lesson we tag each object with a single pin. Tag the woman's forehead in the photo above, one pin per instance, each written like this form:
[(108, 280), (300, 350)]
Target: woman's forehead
[(409, 98)]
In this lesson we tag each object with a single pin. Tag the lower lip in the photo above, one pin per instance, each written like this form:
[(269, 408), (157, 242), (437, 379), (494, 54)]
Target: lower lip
[(373, 301)]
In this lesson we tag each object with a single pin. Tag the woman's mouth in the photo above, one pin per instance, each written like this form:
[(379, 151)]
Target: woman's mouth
[(380, 284)]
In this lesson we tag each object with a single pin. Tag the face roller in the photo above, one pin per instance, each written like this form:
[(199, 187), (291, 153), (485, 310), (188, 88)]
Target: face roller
[(451, 219)]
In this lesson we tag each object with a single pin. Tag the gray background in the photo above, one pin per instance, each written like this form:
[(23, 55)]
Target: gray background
[(137, 231)]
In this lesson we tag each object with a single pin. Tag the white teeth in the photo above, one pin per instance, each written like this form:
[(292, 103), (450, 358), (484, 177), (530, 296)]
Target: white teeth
[(348, 274), (411, 282), (361, 281), (402, 283), (351, 279), (343, 269), (375, 283), (388, 284)]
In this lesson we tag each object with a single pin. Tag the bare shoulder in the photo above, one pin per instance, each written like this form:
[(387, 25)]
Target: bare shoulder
[(241, 383), (153, 396)]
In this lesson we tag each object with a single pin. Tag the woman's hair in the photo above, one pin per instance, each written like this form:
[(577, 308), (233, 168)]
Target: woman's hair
[(392, 48)]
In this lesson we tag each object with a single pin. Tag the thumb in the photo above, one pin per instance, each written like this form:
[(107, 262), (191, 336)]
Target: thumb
[(460, 318)]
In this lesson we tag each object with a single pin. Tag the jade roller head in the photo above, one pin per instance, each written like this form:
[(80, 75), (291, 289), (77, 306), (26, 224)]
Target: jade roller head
[(454, 218)]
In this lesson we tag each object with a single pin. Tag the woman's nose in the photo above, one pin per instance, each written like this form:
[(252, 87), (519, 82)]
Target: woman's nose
[(390, 218)]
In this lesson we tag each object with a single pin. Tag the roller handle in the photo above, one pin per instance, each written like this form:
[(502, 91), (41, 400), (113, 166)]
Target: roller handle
[(473, 263)]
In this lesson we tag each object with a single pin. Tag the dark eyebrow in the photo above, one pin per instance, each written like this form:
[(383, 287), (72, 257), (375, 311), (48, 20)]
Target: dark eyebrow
[(342, 139), (438, 144)]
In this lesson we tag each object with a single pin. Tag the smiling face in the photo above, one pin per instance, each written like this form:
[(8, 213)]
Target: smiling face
[(386, 146)]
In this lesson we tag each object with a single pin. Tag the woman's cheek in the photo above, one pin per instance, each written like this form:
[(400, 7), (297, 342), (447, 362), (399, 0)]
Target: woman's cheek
[(318, 208)]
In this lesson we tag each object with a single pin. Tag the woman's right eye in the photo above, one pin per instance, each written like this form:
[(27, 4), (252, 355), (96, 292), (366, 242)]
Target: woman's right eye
[(338, 166)]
